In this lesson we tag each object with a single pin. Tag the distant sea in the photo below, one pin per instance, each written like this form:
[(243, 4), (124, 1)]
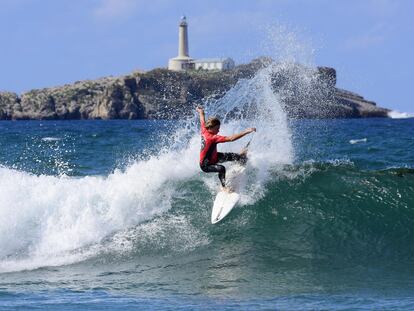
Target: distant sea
[(115, 215)]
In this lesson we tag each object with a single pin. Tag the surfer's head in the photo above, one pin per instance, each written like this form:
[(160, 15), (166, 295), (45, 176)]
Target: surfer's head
[(213, 125)]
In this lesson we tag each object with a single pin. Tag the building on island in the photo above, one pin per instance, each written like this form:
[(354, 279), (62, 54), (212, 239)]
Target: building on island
[(214, 63), (184, 62)]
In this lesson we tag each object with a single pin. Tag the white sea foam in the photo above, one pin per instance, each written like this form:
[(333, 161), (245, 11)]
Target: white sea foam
[(394, 114), (357, 141), (51, 138), (50, 220)]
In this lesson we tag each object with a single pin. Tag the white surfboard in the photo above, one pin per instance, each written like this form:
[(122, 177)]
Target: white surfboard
[(226, 201)]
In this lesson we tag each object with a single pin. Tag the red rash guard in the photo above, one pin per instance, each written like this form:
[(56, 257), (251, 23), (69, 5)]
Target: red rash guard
[(209, 145)]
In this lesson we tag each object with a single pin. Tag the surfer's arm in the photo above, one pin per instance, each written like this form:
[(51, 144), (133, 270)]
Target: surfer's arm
[(240, 135), (201, 114)]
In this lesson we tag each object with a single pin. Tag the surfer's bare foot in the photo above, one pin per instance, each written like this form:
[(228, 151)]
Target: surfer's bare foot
[(226, 189)]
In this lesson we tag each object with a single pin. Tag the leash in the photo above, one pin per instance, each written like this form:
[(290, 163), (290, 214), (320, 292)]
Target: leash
[(248, 143)]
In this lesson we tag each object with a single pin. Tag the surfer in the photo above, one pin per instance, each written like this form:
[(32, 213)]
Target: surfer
[(209, 157)]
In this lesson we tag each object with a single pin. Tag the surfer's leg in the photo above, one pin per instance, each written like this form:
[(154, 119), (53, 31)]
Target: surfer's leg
[(222, 176), (216, 168), (231, 156)]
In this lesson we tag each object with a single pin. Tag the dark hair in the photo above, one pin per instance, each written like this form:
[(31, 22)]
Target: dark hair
[(212, 122)]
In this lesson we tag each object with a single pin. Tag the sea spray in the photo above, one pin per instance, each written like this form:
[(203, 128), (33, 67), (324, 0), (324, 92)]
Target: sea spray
[(253, 103)]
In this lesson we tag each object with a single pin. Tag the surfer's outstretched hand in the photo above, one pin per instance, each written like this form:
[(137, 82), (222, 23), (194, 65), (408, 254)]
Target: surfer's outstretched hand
[(199, 109)]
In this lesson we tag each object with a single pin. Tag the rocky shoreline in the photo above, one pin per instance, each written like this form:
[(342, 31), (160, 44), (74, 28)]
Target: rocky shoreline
[(164, 94)]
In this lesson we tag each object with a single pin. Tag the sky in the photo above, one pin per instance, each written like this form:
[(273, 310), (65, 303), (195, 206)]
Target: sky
[(46, 43)]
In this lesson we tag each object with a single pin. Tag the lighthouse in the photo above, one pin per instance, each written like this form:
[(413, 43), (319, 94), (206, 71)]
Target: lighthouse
[(183, 38), (183, 61)]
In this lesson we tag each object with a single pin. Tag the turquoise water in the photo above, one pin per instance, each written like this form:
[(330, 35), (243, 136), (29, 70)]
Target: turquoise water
[(114, 215)]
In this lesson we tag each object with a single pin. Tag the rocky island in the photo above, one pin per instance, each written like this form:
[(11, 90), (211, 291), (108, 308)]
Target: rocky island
[(166, 94)]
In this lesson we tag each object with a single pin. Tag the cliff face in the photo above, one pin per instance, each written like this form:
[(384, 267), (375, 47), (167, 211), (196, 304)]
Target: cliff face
[(164, 94)]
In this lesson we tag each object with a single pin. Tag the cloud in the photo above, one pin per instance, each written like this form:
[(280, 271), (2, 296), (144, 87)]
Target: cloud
[(373, 37), (363, 41), (382, 8), (115, 9)]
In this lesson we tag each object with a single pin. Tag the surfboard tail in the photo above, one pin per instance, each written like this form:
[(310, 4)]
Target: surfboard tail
[(223, 204)]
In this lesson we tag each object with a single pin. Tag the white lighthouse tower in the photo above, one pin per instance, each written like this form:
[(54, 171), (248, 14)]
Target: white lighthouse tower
[(183, 61)]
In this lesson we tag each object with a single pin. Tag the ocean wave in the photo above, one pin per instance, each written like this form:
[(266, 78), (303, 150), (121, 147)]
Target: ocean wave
[(394, 114), (323, 212), (47, 219), (56, 220), (319, 210)]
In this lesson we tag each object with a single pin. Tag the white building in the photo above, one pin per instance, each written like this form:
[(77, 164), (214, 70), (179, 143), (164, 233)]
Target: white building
[(184, 62), (214, 63)]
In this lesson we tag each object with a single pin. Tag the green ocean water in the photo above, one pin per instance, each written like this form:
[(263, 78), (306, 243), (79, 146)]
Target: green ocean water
[(108, 215)]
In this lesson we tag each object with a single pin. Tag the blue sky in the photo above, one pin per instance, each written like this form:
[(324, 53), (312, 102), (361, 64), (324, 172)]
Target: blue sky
[(47, 43)]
